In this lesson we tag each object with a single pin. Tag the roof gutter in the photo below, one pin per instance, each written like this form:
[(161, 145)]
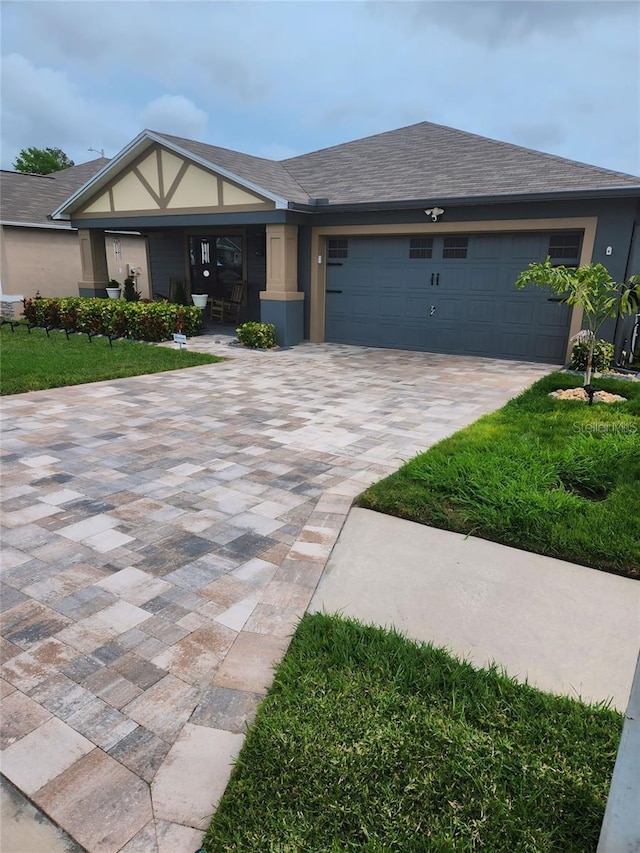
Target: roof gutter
[(464, 201), (67, 227)]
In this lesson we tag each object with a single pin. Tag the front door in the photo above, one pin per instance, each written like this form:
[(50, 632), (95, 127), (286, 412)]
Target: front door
[(216, 263)]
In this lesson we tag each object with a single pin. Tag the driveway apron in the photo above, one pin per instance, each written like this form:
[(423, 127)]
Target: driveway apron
[(162, 536)]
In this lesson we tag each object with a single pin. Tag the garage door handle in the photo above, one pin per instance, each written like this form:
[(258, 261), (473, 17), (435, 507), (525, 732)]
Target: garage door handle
[(432, 275), (334, 264), (438, 280), (334, 291)]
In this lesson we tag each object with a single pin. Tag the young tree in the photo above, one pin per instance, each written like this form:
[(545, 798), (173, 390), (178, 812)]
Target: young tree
[(590, 287), (41, 161)]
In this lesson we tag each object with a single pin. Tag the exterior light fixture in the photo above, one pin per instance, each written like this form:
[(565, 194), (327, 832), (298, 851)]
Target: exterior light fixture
[(434, 213)]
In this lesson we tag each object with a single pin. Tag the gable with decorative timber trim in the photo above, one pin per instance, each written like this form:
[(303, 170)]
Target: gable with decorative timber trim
[(161, 182)]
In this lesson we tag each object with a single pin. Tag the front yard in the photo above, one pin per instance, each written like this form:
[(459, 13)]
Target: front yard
[(34, 361), (551, 476), (369, 742)]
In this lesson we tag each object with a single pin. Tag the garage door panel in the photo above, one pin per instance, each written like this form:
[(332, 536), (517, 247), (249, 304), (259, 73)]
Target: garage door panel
[(515, 344), (483, 279), (486, 247), (416, 307), (453, 279), (386, 298), (414, 337), (482, 311), (392, 306), (362, 250), (518, 313), (353, 331), (477, 342), (552, 314), (394, 249), (550, 348), (450, 309), (418, 278), (529, 247)]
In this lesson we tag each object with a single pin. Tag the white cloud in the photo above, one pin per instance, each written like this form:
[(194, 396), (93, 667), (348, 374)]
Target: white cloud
[(42, 107), (282, 77), (175, 114)]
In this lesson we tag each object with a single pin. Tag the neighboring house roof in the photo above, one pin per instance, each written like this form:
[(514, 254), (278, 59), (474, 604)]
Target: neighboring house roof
[(29, 199)]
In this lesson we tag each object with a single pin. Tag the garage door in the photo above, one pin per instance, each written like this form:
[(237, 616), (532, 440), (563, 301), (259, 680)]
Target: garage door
[(452, 294)]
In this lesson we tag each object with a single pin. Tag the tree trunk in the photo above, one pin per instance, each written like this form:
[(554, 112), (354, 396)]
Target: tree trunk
[(589, 367)]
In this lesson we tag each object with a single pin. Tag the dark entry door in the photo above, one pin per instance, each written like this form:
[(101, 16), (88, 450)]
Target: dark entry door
[(216, 263)]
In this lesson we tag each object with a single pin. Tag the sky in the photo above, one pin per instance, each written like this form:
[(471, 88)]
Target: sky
[(277, 78)]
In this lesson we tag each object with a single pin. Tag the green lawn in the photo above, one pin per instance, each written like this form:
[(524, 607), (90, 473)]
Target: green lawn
[(29, 362), (369, 742), (554, 477)]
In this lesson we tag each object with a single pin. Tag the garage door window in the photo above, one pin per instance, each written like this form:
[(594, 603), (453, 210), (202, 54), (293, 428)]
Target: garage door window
[(455, 247), (564, 247), (337, 249), (420, 247)]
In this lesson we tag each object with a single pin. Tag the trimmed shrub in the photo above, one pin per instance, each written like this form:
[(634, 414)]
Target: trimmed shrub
[(603, 353), (130, 292), (142, 321), (257, 335)]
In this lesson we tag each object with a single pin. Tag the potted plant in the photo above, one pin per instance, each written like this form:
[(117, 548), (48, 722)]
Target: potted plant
[(200, 299), (113, 289)]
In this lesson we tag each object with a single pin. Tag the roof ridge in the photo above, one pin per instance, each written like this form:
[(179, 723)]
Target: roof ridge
[(234, 151), (547, 154), (25, 174), (471, 135)]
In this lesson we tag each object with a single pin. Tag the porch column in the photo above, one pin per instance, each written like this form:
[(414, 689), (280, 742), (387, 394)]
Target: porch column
[(93, 257), (282, 303)]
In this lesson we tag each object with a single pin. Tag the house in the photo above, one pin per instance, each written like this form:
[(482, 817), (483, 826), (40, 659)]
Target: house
[(42, 255), (411, 238)]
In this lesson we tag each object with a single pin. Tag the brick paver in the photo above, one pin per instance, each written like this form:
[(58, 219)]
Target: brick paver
[(162, 536)]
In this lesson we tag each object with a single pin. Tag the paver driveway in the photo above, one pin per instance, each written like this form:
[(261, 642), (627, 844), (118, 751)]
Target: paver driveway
[(162, 535)]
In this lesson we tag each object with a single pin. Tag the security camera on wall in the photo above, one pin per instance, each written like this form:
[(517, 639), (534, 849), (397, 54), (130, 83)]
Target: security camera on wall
[(434, 213)]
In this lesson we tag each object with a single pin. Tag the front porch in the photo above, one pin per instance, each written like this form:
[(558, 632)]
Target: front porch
[(205, 228)]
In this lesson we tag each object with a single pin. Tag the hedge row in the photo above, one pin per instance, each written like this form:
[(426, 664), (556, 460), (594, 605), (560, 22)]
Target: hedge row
[(141, 321)]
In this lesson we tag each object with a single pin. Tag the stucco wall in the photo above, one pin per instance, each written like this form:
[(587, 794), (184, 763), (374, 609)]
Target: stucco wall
[(132, 251), (47, 260)]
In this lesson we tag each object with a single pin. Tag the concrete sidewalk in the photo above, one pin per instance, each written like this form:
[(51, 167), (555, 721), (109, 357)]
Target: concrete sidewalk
[(565, 628)]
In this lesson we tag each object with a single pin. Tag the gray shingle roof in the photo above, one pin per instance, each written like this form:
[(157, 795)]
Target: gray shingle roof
[(430, 161), (31, 198), (424, 162), (269, 174)]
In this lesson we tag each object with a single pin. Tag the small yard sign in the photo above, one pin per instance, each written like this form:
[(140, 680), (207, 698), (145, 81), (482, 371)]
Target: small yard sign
[(179, 339)]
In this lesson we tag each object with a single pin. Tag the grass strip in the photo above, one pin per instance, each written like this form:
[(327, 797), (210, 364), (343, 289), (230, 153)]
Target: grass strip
[(30, 362), (556, 477), (369, 742)]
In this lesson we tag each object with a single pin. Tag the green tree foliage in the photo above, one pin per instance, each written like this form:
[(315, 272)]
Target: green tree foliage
[(590, 288), (41, 161)]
